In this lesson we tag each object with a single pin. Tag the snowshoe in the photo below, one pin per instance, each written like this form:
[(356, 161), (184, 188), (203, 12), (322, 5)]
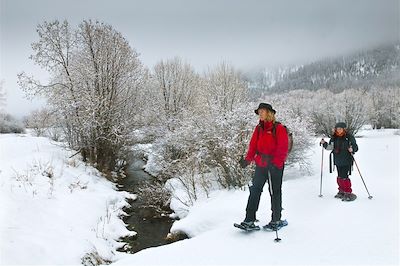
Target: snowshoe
[(272, 226), (339, 195), (247, 226), (349, 197)]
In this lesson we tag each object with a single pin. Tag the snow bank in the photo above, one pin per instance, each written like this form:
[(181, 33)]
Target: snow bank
[(54, 209)]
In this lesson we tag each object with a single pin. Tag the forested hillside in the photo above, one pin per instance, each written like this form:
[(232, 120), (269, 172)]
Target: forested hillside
[(379, 67)]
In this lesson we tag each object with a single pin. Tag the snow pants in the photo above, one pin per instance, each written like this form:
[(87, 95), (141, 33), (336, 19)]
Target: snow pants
[(274, 177), (343, 179)]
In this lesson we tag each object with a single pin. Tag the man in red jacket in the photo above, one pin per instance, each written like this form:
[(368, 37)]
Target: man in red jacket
[(268, 148)]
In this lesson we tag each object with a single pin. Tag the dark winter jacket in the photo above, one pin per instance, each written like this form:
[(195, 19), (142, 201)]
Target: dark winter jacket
[(267, 146), (340, 146)]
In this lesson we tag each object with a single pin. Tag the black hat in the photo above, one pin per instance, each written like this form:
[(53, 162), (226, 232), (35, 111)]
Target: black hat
[(341, 124), (265, 106)]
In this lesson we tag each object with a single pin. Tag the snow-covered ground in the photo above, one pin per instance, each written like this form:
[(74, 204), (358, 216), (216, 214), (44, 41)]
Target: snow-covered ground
[(54, 209), (321, 231)]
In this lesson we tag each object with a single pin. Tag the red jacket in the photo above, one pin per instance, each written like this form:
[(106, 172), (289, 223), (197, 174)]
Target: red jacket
[(264, 146)]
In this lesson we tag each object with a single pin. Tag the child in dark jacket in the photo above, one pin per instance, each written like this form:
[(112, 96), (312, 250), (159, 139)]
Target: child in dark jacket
[(343, 146)]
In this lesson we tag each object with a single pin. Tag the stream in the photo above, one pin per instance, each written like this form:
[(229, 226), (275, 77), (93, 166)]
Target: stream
[(151, 228)]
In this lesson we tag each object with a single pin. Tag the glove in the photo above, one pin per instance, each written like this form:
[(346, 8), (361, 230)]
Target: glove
[(243, 163), (322, 142)]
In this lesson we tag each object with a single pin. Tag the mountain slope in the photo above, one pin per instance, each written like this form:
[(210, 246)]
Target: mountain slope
[(379, 67)]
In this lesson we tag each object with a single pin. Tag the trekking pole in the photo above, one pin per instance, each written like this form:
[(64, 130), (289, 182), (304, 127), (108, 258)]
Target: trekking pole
[(277, 239), (369, 196), (322, 164)]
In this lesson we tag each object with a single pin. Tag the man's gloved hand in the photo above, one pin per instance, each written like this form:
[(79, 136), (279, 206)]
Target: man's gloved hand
[(243, 163)]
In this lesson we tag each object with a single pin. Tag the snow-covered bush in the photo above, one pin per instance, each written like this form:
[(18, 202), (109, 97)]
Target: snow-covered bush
[(325, 108), (384, 110), (8, 124), (289, 114), (155, 196), (42, 122), (203, 152), (380, 107)]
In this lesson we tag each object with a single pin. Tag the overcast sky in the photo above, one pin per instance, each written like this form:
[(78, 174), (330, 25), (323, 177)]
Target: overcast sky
[(246, 33)]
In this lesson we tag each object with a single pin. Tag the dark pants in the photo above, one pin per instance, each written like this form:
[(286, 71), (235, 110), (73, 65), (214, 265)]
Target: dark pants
[(343, 171), (274, 177)]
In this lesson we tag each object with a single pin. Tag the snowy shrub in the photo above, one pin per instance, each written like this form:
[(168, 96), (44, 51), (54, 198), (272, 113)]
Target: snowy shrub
[(9, 124), (353, 109), (77, 185), (326, 108), (38, 174), (289, 114), (380, 107), (210, 144), (384, 110), (154, 196), (93, 258), (39, 121), (45, 123), (25, 179), (203, 153)]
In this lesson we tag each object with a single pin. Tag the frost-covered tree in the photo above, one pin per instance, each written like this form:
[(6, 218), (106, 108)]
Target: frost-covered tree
[(323, 110), (96, 79), (224, 88), (353, 109), (327, 108), (43, 122), (384, 108), (176, 86)]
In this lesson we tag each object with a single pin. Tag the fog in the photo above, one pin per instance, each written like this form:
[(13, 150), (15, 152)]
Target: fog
[(247, 34)]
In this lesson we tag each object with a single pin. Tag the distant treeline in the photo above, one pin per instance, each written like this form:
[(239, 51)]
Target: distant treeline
[(379, 67)]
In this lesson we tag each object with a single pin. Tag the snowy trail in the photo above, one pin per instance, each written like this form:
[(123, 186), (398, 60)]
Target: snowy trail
[(321, 231)]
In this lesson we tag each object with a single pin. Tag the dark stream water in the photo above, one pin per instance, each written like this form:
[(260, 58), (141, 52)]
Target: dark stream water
[(151, 228)]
